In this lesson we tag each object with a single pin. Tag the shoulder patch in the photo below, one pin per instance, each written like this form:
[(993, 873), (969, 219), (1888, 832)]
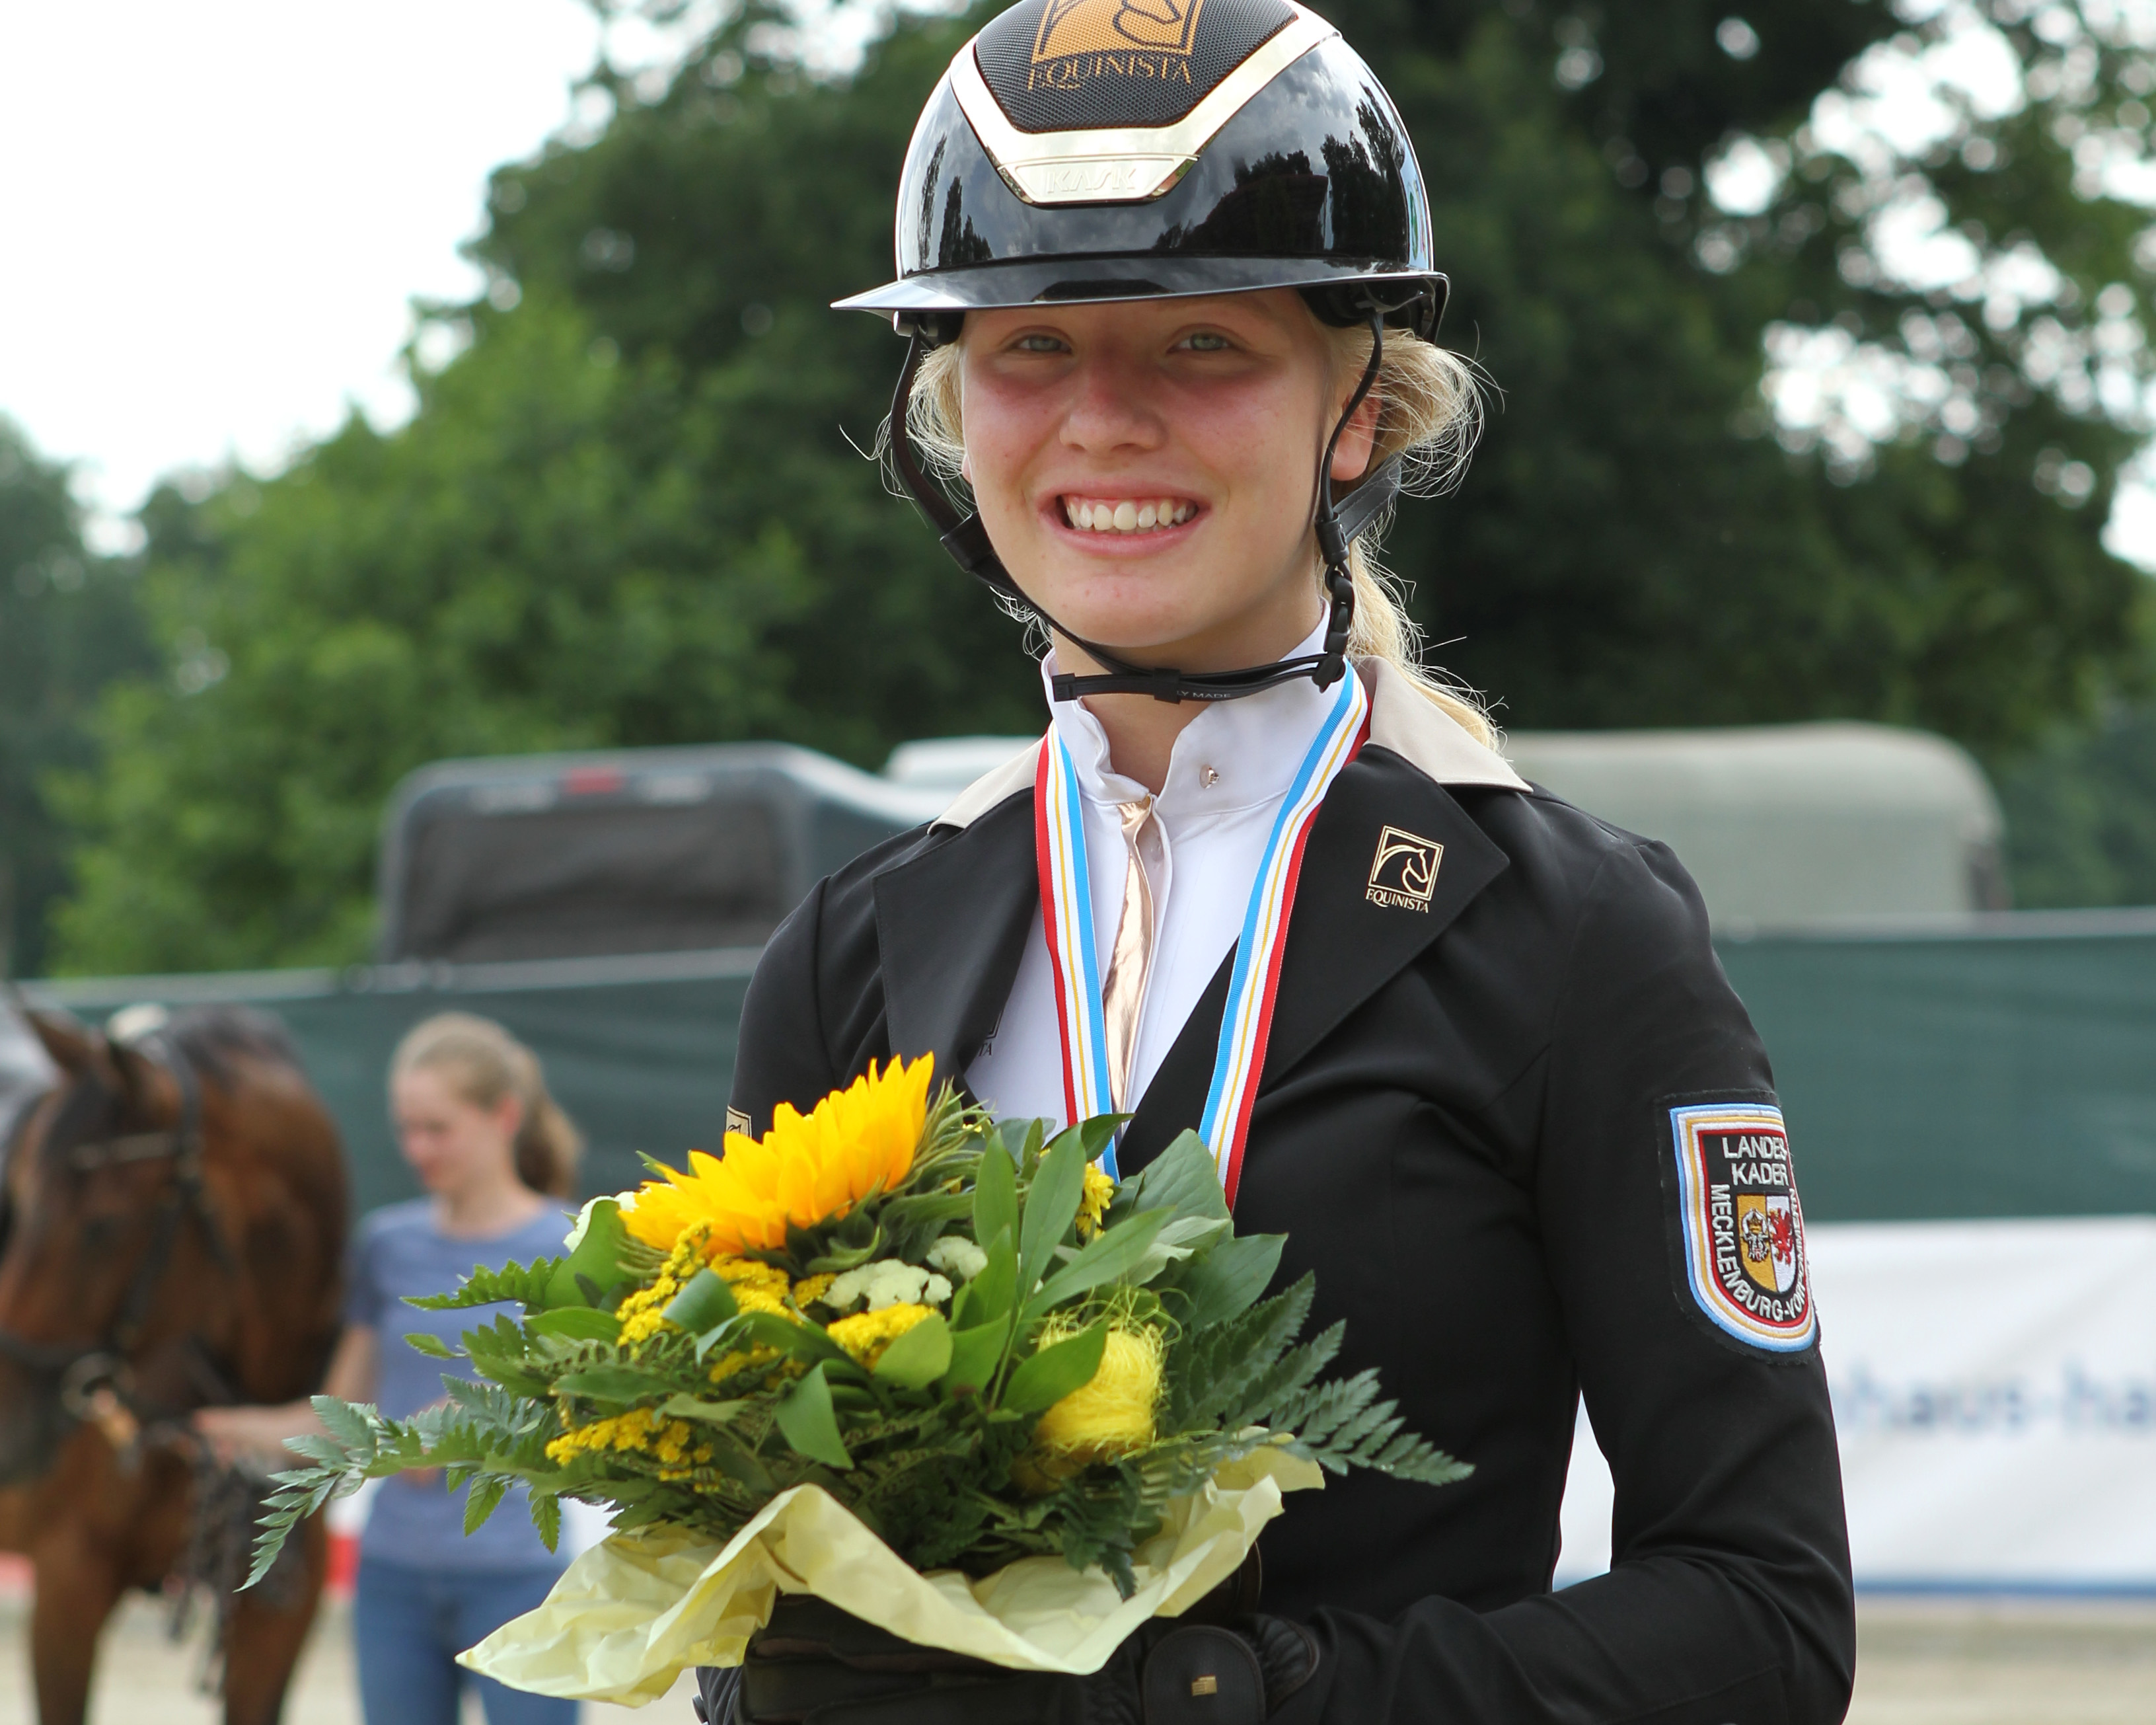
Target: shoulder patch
[(736, 1121), (1742, 1227)]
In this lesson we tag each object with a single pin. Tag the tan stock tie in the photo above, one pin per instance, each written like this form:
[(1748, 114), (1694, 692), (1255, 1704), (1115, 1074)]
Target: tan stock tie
[(1124, 991)]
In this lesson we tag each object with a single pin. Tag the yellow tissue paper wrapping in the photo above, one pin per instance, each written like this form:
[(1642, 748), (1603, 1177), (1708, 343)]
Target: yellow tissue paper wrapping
[(633, 1613)]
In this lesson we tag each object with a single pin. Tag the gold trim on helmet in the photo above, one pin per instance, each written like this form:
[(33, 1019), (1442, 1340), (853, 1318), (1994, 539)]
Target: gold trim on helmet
[(1120, 165)]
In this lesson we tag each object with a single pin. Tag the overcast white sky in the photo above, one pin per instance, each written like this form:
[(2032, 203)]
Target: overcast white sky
[(213, 215)]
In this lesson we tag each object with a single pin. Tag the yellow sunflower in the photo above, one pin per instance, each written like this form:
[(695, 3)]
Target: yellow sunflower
[(807, 1169)]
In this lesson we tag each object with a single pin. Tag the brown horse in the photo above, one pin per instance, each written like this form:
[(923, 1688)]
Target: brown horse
[(174, 1224)]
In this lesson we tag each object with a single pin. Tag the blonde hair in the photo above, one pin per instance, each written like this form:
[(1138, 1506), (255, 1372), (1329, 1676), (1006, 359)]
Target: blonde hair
[(1430, 414), (484, 1064)]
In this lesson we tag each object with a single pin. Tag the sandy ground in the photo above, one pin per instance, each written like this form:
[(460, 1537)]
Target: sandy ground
[(1921, 1662), (144, 1679), (2005, 1662)]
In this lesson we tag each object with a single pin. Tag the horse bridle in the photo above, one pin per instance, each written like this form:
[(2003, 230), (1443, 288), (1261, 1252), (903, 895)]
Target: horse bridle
[(96, 1378)]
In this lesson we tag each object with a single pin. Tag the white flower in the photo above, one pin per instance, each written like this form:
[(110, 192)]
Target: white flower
[(959, 1255), (886, 1282)]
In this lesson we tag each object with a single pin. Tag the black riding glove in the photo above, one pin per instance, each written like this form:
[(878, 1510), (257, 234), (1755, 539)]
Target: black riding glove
[(814, 1664)]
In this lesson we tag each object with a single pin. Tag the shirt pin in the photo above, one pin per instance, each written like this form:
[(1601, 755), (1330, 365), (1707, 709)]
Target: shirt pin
[(1209, 777)]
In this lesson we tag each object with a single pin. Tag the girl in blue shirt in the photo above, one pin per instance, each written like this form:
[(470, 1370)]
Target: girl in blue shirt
[(498, 1159)]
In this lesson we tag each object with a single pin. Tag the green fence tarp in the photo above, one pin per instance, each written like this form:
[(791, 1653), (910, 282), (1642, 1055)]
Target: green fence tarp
[(2006, 1072), (2005, 1068), (640, 1052)]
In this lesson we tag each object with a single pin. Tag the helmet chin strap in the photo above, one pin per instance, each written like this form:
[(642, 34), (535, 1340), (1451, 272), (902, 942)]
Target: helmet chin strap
[(1337, 525)]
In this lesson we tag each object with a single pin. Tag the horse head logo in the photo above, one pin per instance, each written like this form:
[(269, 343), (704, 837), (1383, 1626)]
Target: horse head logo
[(1069, 27), (1403, 873)]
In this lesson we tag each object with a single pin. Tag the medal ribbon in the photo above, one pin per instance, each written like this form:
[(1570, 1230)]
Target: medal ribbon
[(1067, 900)]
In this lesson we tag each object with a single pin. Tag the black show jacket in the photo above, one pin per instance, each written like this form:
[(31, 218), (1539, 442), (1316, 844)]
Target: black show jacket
[(1463, 1127)]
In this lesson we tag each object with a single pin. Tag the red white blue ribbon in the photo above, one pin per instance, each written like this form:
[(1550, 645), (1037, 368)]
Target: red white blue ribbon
[(1067, 920)]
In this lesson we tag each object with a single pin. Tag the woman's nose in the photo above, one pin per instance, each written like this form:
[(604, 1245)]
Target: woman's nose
[(1111, 407)]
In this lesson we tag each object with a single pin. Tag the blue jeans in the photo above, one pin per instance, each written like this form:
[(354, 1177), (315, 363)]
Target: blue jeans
[(409, 1626)]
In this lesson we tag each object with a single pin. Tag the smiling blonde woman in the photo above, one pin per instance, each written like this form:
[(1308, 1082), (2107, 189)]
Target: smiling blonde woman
[(1171, 302)]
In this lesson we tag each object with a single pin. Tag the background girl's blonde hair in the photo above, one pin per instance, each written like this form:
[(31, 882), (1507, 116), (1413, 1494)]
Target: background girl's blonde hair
[(483, 1063), (1430, 414)]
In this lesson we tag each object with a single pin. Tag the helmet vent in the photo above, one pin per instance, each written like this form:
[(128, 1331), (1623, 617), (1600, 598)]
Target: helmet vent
[(1084, 65)]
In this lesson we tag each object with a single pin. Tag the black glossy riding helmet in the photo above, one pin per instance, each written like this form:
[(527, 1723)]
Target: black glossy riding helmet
[(1105, 150)]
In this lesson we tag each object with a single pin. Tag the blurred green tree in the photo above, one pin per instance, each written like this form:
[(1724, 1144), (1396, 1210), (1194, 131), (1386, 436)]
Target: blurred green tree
[(632, 508), (2081, 814), (67, 627)]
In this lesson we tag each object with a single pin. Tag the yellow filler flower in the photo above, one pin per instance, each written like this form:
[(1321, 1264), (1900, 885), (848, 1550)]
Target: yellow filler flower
[(807, 1169), (1099, 1192), (867, 1334)]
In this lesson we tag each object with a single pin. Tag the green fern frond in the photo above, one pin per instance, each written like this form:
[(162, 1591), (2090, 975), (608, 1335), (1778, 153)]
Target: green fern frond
[(526, 1283)]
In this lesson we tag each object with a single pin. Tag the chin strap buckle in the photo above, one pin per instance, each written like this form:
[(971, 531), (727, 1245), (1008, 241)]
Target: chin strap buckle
[(967, 542), (1165, 685)]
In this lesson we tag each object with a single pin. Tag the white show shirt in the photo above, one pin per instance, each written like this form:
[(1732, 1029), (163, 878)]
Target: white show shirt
[(1227, 777)]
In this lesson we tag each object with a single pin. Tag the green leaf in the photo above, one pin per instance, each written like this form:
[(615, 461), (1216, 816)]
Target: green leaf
[(524, 1283), (1183, 1238), (1112, 1254), (1040, 1382), (1230, 1373), (705, 1304), (911, 1224), (432, 1346), (1029, 1150), (1099, 1132), (576, 1323), (621, 1385), (1183, 1178), (803, 1342), (989, 1297), (695, 1408), (975, 1354), (837, 1261), (481, 1502), (919, 1358), (596, 1260), (1228, 1280), (995, 1193), (547, 1518), (732, 1333), (1051, 1206), (739, 1464), (805, 1417), (326, 1452), (349, 1424)]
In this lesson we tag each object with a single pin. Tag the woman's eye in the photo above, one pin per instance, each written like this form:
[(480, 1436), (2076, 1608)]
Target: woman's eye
[(1037, 344), (1206, 341)]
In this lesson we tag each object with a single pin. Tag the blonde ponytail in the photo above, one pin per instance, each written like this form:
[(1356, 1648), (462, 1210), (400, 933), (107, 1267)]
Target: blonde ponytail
[(484, 1064), (1430, 413)]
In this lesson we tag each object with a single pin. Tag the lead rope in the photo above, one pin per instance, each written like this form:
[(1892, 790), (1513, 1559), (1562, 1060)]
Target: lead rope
[(224, 1505)]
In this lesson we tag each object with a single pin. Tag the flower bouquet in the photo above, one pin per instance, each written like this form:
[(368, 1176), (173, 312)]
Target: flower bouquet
[(944, 1372)]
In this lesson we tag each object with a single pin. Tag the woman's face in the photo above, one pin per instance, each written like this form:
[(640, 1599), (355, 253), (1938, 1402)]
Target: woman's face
[(454, 1146), (1147, 470)]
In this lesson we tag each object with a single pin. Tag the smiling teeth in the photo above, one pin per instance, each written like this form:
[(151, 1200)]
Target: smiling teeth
[(1127, 516)]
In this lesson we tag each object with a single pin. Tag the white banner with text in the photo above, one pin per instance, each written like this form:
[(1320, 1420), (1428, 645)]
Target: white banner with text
[(1995, 1394)]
